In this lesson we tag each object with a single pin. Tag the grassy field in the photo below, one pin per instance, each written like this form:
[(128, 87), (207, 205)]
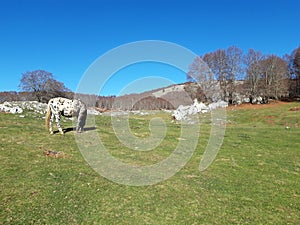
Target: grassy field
[(255, 178)]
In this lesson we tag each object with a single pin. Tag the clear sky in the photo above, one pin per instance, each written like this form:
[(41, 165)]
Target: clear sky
[(65, 37)]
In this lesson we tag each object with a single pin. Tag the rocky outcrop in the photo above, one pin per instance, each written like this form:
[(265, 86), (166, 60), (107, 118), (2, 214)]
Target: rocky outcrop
[(21, 106), (185, 112)]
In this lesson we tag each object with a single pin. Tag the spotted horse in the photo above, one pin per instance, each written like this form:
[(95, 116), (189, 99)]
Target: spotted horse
[(59, 106)]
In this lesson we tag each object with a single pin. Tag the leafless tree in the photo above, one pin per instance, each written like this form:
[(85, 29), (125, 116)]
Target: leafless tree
[(297, 61), (200, 72), (226, 66), (234, 70), (293, 63), (42, 85), (296, 70), (274, 77), (218, 66), (253, 72)]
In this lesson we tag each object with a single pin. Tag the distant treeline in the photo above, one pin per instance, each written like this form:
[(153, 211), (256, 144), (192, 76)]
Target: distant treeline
[(127, 102), (144, 101)]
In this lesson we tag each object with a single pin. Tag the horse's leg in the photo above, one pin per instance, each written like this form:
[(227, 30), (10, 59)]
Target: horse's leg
[(81, 119), (80, 123), (78, 128), (51, 124), (57, 120)]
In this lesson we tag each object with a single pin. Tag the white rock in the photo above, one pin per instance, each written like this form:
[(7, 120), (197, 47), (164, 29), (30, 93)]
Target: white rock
[(183, 112), (20, 106)]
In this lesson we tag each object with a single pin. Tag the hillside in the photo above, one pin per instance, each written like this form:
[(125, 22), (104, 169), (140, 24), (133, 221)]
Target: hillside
[(253, 180), (169, 97)]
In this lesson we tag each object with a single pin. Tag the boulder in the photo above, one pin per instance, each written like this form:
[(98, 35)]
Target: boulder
[(184, 112)]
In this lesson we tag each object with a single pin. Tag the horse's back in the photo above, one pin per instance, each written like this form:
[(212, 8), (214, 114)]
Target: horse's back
[(67, 107)]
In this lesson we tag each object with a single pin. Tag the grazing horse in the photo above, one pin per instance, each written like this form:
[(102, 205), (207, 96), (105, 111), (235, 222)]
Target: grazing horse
[(65, 107)]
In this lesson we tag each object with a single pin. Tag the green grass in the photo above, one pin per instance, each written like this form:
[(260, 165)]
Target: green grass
[(254, 179)]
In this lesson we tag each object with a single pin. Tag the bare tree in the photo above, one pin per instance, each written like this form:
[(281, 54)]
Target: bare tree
[(293, 63), (297, 61), (274, 77), (219, 69), (200, 72), (226, 66), (253, 72), (234, 69), (296, 71), (34, 81), (223, 66), (42, 85)]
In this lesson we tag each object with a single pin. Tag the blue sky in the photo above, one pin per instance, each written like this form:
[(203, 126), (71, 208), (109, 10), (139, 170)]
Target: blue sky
[(66, 37)]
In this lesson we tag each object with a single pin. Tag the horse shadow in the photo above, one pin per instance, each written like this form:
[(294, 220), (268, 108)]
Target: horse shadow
[(69, 129)]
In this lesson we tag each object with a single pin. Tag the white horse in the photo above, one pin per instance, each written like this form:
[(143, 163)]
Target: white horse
[(65, 107)]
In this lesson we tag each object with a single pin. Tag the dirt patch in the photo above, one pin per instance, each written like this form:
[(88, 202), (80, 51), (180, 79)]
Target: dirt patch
[(266, 117), (55, 154), (294, 109)]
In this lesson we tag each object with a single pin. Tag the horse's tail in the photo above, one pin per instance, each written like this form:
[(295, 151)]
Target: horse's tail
[(48, 116)]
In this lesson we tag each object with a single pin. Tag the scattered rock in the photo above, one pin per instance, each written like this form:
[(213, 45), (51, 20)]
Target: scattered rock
[(93, 112), (184, 112), (19, 107)]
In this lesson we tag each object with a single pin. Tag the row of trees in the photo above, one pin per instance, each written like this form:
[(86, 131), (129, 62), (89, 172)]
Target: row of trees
[(269, 76)]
